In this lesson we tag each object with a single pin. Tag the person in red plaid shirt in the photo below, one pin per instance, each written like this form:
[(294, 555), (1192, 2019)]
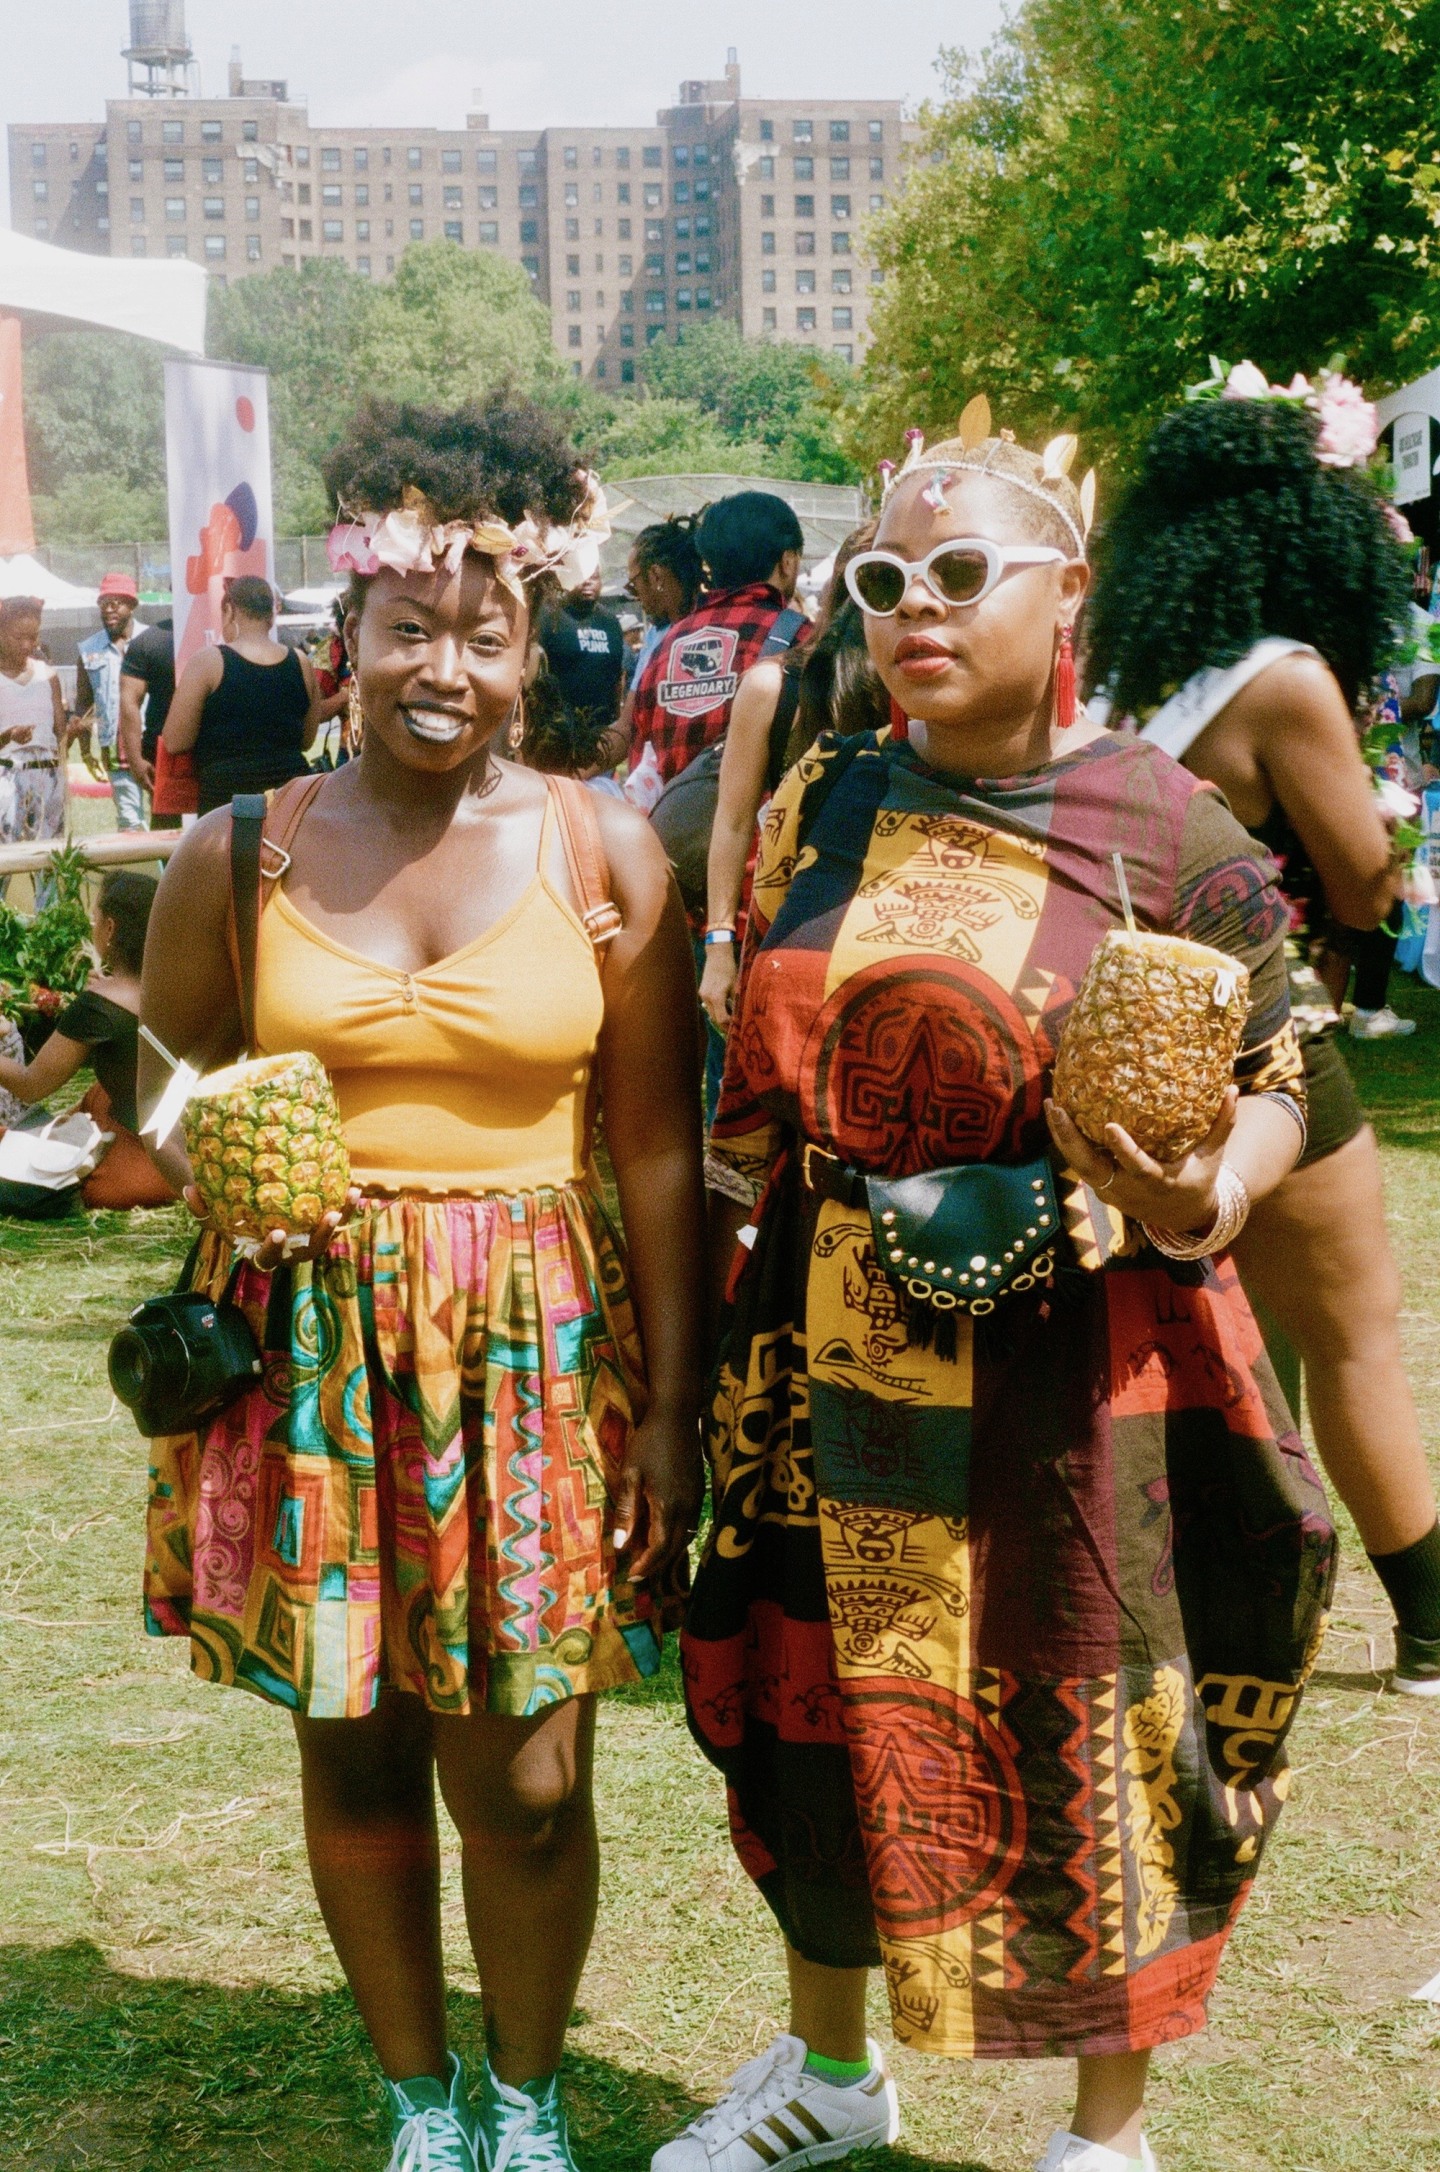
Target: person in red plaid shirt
[(750, 547)]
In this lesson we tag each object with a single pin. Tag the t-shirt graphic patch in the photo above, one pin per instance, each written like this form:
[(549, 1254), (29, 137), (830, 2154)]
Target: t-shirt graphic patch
[(698, 674), (594, 640)]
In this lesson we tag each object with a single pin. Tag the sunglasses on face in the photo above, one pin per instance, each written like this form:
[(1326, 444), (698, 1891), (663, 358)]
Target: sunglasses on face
[(962, 571)]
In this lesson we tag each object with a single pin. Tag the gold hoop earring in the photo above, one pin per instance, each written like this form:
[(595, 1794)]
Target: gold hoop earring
[(354, 718), (515, 736)]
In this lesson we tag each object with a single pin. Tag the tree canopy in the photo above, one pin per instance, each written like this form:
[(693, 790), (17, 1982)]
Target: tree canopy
[(1117, 190)]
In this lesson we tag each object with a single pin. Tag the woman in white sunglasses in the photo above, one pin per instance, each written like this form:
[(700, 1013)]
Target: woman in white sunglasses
[(1017, 1561)]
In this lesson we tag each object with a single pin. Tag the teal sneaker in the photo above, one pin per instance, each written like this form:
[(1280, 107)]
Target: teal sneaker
[(523, 2133), (433, 2129)]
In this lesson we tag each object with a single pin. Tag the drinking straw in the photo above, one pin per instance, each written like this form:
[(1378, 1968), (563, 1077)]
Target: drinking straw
[(1124, 888)]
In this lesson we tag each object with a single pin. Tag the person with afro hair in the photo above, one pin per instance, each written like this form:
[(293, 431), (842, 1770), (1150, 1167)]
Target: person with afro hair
[(1248, 599), (453, 1510)]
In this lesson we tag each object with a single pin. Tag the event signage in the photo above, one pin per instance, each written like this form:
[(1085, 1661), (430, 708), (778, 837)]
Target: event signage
[(217, 458), (1412, 458)]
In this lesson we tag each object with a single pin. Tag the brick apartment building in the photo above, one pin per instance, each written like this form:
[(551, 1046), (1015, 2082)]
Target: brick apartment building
[(752, 209)]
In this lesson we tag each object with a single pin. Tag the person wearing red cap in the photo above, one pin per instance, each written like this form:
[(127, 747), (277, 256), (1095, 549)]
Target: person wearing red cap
[(97, 698)]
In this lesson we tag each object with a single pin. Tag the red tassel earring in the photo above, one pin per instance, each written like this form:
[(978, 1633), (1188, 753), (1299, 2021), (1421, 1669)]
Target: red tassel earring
[(1065, 682), (899, 722)]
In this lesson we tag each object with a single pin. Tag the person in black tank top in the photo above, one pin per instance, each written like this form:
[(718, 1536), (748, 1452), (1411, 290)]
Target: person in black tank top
[(249, 709)]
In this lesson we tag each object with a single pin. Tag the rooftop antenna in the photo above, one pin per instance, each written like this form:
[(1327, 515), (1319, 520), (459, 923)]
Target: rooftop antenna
[(160, 57)]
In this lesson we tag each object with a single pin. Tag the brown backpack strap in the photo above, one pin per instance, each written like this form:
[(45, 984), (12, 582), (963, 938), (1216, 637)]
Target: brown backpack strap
[(260, 837), (574, 805)]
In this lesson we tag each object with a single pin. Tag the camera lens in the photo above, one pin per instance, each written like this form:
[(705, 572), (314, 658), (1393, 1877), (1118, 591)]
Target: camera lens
[(146, 1361)]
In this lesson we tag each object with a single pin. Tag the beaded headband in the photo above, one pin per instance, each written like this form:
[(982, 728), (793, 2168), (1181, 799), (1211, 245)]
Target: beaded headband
[(973, 431)]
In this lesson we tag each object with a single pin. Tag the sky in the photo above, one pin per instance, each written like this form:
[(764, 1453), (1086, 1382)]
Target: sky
[(538, 63)]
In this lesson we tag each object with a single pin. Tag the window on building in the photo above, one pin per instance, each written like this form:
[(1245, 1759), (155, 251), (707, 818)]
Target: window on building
[(529, 195), (652, 155), (877, 131), (680, 192), (302, 154), (804, 207), (137, 244), (572, 195), (803, 131), (531, 264), (702, 224), (702, 154), (877, 169), (767, 243), (307, 231), (414, 156), (804, 282), (839, 131), (389, 229), (767, 131), (389, 192), (597, 192), (136, 170), (450, 161), (529, 230), (682, 229), (137, 210), (331, 193), (654, 301), (40, 190), (839, 207), (571, 154), (655, 267), (489, 233), (626, 266), (767, 280), (804, 169), (362, 229), (702, 297), (303, 191), (252, 207), (417, 229), (804, 320), (877, 276), (767, 207), (486, 162), (842, 350), (132, 132), (362, 266), (174, 207), (622, 228), (622, 192), (362, 158), (805, 242), (332, 229), (417, 192), (454, 230), (210, 131), (600, 368), (214, 245), (572, 298), (251, 171), (528, 161), (572, 266), (767, 320), (597, 155), (627, 335), (622, 155), (839, 169), (453, 199), (682, 264), (681, 154), (840, 244), (172, 131), (250, 131), (38, 153), (362, 192), (654, 196), (330, 158), (173, 169), (176, 245), (574, 335), (287, 229), (684, 299), (841, 320), (877, 203), (653, 332), (489, 199), (702, 260), (767, 169), (572, 229), (627, 370), (840, 281)]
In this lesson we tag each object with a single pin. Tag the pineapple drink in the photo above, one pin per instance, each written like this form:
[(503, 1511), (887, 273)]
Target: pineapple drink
[(1151, 1041), (265, 1145)]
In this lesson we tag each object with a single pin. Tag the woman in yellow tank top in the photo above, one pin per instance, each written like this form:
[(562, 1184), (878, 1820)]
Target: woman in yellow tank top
[(447, 1517)]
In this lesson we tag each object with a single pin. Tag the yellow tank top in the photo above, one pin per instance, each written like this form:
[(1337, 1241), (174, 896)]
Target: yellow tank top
[(471, 1075)]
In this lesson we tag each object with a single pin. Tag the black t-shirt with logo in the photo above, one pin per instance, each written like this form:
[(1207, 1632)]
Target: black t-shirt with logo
[(586, 656)]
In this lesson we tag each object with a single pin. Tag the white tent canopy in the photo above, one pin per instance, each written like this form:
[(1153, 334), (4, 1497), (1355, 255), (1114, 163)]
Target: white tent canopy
[(161, 299), (25, 576)]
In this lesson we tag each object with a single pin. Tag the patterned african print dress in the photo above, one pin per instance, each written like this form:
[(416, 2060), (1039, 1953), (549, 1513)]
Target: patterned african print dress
[(420, 1492), (998, 1643)]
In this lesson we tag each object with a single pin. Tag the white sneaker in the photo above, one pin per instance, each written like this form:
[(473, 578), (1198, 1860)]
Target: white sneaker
[(774, 2115), (1381, 1025), (1069, 2153)]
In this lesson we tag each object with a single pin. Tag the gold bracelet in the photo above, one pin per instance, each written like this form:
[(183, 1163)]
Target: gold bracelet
[(1232, 1206)]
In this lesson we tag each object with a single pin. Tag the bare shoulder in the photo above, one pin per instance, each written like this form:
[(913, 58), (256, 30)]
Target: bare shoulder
[(1299, 690), (204, 668), (765, 675), (627, 837), (199, 867)]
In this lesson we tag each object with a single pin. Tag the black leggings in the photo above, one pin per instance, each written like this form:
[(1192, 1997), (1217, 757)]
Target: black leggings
[(1373, 953)]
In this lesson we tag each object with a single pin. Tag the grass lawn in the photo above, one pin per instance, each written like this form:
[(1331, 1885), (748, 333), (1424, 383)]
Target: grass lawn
[(167, 1996)]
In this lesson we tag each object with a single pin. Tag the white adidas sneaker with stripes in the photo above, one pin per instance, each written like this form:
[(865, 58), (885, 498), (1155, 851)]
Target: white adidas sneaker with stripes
[(774, 2116)]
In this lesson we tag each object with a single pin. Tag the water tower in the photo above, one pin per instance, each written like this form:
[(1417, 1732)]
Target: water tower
[(161, 60)]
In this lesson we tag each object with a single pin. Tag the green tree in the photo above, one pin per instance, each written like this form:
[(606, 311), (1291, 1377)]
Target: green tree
[(1115, 191), (94, 436), (767, 392), (452, 324), (671, 437)]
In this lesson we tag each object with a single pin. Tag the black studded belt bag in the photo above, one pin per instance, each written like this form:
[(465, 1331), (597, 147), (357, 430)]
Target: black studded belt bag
[(959, 1239)]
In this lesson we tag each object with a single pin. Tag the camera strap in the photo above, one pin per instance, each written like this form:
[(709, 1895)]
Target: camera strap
[(260, 834)]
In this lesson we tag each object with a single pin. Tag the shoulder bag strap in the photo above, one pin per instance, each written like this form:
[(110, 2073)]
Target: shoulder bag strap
[(260, 836), (574, 805), (780, 725), (785, 631)]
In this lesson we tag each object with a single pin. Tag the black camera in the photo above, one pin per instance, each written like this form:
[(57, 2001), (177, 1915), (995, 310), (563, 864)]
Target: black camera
[(181, 1359)]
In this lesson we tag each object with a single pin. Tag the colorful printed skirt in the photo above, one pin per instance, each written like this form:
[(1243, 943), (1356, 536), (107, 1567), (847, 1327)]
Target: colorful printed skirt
[(421, 1492), (998, 1649)]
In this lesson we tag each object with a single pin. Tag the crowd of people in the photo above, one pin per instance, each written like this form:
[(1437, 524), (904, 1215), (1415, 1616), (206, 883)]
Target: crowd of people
[(1016, 1565)]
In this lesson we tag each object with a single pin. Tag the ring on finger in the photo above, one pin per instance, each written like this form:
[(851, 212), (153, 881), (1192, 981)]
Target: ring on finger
[(1114, 1172)]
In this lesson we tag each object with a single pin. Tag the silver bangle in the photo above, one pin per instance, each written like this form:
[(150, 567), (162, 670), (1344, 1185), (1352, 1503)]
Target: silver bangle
[(1232, 1206)]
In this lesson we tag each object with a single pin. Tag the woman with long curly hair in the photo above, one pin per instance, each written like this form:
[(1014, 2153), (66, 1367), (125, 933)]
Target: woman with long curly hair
[(442, 1522), (1249, 593)]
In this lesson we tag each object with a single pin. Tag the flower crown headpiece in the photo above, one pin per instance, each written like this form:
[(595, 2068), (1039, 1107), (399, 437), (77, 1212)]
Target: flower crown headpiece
[(413, 539), (973, 431), (1349, 425)]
